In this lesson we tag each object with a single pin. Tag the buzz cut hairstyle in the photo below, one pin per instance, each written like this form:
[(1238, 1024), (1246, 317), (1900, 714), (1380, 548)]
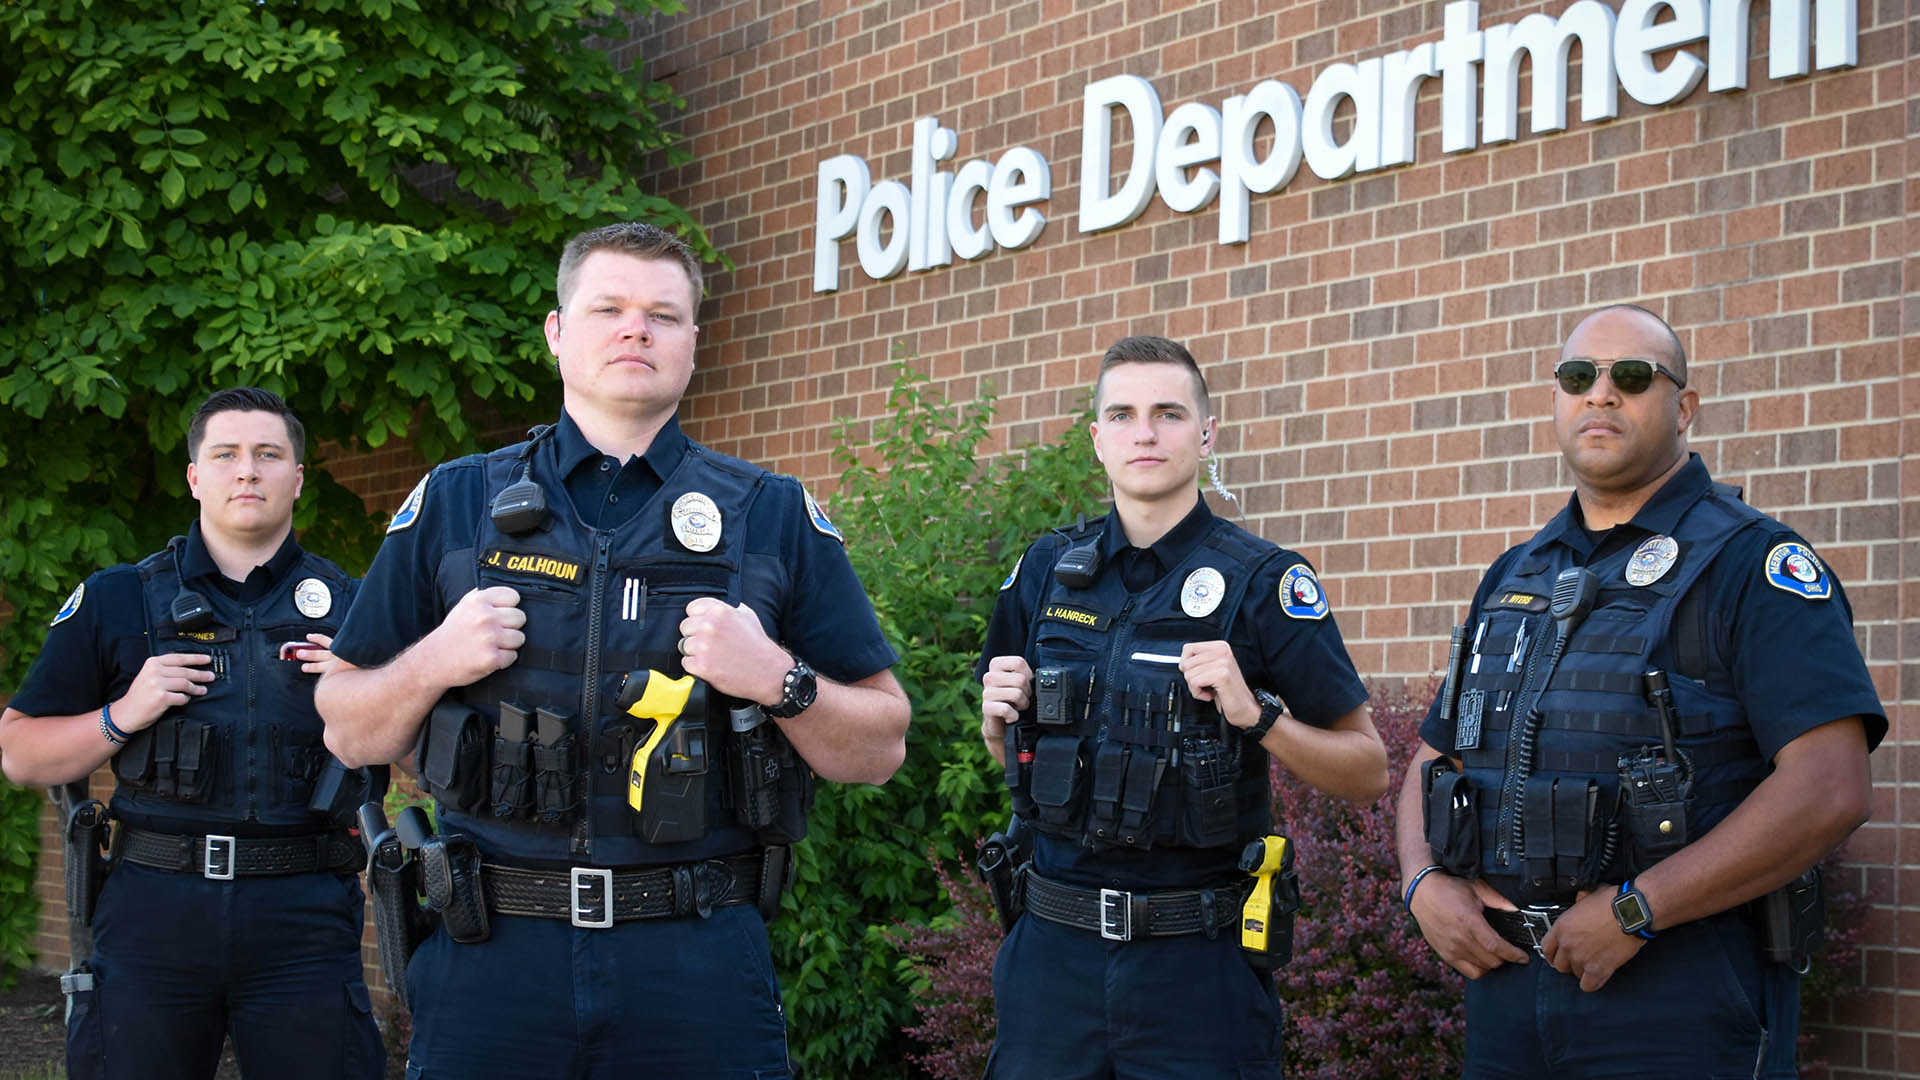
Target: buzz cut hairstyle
[(1677, 358), (635, 238), (245, 399), (1146, 349)]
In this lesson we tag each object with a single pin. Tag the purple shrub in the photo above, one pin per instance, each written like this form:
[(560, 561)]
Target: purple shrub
[(1365, 995), (952, 968)]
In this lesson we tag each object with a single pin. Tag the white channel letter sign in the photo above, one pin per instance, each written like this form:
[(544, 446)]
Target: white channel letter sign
[(1174, 154)]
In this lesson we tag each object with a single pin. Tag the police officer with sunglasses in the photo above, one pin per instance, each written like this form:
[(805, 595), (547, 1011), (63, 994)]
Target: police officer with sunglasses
[(1657, 721)]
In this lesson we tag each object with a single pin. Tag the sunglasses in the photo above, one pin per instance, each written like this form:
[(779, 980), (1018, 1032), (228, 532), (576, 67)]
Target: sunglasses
[(1627, 376)]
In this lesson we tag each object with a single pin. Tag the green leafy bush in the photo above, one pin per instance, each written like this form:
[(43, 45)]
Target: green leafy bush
[(356, 204), (932, 530), (19, 907)]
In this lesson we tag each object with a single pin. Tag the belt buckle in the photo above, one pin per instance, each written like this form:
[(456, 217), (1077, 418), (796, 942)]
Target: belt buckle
[(1112, 900), (588, 877), (1537, 921), (219, 852)]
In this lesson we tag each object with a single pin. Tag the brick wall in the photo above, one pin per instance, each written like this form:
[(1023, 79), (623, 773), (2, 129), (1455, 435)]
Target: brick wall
[(1379, 350)]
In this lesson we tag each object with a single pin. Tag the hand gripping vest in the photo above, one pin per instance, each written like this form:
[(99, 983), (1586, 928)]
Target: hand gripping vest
[(1551, 818), (1117, 754), (534, 761), (249, 750)]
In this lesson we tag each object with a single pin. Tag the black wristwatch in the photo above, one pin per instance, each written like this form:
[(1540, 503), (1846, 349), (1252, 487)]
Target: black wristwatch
[(1270, 708), (798, 690), (1630, 910)]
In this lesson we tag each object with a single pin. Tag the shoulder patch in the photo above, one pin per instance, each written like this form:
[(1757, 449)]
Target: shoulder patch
[(819, 516), (1793, 567), (72, 605), (1300, 594), (409, 511), (1013, 574)]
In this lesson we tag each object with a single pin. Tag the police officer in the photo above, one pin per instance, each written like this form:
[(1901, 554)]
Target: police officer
[(1139, 673), (1658, 723), (532, 620), (232, 907)]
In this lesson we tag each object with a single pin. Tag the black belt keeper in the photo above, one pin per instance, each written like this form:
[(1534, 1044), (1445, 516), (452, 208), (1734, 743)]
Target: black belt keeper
[(222, 857), (1118, 915), (581, 894)]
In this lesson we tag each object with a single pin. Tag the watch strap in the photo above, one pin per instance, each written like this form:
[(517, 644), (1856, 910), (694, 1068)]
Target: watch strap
[(1270, 709)]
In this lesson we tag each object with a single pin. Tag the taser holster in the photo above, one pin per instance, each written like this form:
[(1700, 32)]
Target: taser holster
[(668, 777)]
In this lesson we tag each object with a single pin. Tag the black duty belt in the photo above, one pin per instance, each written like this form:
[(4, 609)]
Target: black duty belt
[(1122, 916), (222, 858), (593, 896), (1526, 928)]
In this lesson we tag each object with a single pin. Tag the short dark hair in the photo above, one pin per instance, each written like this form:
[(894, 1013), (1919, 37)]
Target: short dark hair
[(245, 399), (1146, 349), (635, 238), (1676, 353)]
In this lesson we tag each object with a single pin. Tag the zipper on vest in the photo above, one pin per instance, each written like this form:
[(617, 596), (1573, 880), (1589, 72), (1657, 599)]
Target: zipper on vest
[(590, 698), (253, 684), (1511, 829), (1115, 652)]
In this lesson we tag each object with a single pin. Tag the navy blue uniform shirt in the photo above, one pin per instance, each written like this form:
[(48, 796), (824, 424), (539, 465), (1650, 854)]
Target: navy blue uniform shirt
[(1304, 661), (1791, 661), (828, 622), (91, 657)]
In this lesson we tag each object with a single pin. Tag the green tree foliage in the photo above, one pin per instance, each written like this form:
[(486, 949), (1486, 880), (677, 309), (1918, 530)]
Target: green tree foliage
[(933, 531), (354, 203)]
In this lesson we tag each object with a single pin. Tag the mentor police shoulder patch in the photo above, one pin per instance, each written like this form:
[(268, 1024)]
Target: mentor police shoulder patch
[(1793, 567), (1012, 575), (1300, 594), (72, 605), (819, 517), (409, 511)]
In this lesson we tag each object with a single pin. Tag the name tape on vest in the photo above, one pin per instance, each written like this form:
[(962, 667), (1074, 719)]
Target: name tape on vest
[(539, 566)]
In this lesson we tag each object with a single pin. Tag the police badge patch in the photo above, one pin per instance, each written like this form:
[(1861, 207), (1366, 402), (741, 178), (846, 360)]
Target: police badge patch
[(1012, 574), (313, 598), (1300, 594), (696, 521), (409, 511), (1651, 560), (1202, 592), (1793, 567), (819, 518), (72, 605)]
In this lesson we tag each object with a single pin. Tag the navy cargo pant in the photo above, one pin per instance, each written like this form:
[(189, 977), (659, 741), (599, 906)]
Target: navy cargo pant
[(1699, 1002), (690, 997), (1071, 1004), (181, 961)]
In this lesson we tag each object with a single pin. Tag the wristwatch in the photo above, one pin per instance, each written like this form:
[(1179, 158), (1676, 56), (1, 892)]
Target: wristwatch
[(1270, 708), (1631, 911), (798, 690)]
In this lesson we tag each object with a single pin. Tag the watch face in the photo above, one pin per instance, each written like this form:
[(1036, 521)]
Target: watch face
[(1631, 911)]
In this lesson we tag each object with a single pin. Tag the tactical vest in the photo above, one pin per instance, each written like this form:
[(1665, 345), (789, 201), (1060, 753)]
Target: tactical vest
[(245, 755), (1554, 817), (1122, 756), (601, 605)]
